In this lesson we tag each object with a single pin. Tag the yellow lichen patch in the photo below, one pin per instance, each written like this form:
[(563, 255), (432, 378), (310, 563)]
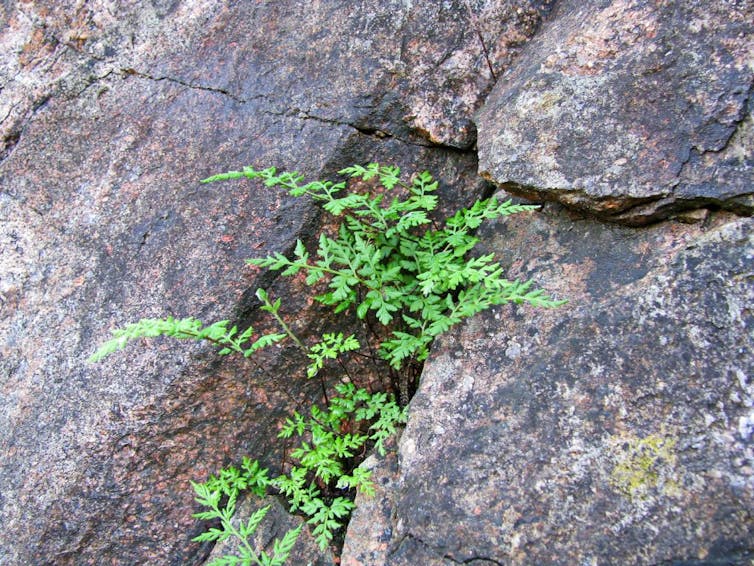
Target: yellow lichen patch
[(645, 466)]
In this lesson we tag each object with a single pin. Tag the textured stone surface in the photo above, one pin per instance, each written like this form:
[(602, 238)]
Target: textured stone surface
[(615, 430), (110, 114), (630, 109), (379, 66), (535, 447), (446, 70), (103, 228), (370, 530)]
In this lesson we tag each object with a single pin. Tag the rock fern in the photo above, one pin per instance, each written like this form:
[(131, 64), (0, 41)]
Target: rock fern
[(387, 262), (388, 259)]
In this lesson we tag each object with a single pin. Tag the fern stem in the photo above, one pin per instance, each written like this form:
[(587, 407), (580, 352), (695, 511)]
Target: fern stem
[(228, 526), (288, 331)]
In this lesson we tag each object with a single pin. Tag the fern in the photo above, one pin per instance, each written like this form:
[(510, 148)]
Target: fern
[(187, 329), (331, 346), (387, 262), (416, 280), (324, 449), (210, 497)]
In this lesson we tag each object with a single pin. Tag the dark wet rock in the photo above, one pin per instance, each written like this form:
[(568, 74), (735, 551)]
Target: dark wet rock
[(614, 430), (629, 109)]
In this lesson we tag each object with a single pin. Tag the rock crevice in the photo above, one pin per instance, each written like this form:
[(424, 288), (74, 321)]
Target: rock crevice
[(617, 429)]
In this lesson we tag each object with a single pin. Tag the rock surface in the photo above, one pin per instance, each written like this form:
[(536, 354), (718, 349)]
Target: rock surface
[(446, 70), (111, 112), (371, 530), (630, 109), (615, 430)]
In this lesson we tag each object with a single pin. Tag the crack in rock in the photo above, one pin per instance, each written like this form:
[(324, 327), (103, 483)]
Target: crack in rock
[(374, 132), (377, 133), (133, 72), (610, 207), (478, 32)]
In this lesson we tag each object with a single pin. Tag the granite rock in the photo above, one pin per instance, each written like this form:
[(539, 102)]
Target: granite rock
[(614, 430), (446, 71), (631, 110)]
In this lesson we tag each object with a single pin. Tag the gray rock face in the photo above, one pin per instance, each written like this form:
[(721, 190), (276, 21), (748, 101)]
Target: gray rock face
[(110, 115), (615, 430), (632, 110)]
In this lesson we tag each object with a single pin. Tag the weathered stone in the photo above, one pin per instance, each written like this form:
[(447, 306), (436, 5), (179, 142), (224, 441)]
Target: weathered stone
[(446, 70), (614, 430), (629, 109), (569, 438), (106, 229), (370, 529), (104, 222)]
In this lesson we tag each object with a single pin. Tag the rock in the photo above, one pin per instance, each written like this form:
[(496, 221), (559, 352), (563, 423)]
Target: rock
[(110, 116), (107, 224), (370, 529), (447, 70), (628, 109), (536, 437), (614, 430)]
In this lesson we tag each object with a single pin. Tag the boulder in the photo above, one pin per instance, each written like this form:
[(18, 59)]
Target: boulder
[(370, 530), (105, 223), (110, 116), (618, 428), (632, 110), (614, 430)]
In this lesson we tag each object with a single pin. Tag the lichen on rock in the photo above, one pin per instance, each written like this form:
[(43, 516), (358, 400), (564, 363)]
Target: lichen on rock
[(644, 466)]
